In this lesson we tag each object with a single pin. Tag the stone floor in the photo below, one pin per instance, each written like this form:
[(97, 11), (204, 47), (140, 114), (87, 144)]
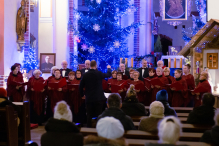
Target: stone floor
[(36, 134)]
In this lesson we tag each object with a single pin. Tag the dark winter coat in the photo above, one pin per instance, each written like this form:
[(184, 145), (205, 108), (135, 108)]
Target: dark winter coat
[(120, 115), (211, 136), (168, 111), (61, 133), (149, 124), (202, 115)]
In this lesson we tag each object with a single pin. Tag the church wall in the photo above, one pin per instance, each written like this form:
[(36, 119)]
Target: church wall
[(11, 55)]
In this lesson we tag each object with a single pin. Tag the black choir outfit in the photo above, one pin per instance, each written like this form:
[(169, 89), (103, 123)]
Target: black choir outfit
[(143, 73)]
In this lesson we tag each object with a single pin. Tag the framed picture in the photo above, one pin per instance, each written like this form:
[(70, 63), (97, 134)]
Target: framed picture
[(175, 10), (47, 61)]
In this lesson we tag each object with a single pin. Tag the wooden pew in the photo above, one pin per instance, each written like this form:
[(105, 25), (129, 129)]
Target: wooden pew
[(179, 109), (24, 127), (141, 142), (138, 118), (136, 134), (188, 127), (182, 114), (8, 126)]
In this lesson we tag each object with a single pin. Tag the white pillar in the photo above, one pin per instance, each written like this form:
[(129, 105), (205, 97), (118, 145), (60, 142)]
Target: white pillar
[(149, 39)]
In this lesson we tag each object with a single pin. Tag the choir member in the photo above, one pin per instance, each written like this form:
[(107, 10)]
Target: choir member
[(180, 95), (156, 88), (64, 70), (141, 91), (131, 79), (15, 92), (160, 64), (87, 67), (113, 79), (171, 79), (147, 85), (125, 73), (189, 102), (203, 84), (37, 98), (52, 72), (55, 95), (18, 65), (143, 71)]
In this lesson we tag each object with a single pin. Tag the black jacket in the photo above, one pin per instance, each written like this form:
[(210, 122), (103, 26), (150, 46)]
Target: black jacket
[(168, 111), (120, 115), (61, 133), (211, 136), (146, 73), (202, 115), (66, 72), (132, 107), (83, 71), (159, 144), (92, 82)]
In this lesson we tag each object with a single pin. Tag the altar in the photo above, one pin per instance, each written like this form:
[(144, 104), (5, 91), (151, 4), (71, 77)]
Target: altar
[(174, 61)]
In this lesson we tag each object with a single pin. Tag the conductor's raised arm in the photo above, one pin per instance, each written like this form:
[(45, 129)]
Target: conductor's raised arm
[(108, 73)]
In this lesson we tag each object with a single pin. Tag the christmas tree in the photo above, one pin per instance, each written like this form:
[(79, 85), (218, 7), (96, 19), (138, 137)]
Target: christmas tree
[(102, 37), (158, 45), (30, 61)]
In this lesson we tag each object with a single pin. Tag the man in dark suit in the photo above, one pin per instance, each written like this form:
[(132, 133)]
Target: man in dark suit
[(46, 66), (125, 73), (87, 67), (94, 95), (143, 71), (64, 70)]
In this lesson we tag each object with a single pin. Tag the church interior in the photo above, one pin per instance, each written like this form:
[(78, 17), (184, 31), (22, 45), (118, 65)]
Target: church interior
[(109, 72)]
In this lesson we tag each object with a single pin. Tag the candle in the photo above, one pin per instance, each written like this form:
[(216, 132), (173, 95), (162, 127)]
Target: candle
[(169, 62), (126, 61), (132, 62), (174, 62), (180, 62)]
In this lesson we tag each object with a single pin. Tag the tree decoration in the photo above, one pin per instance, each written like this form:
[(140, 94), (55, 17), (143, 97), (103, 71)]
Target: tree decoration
[(98, 1), (77, 16), (30, 61), (91, 49), (96, 27), (111, 49), (117, 44), (84, 47)]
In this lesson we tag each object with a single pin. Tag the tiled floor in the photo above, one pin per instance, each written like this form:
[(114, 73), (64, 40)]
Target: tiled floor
[(36, 134)]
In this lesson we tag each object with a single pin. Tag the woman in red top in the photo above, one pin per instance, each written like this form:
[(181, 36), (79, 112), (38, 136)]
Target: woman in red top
[(171, 79), (189, 102), (37, 98), (179, 96), (148, 86), (204, 84), (15, 92), (18, 65), (141, 91), (156, 88), (130, 80)]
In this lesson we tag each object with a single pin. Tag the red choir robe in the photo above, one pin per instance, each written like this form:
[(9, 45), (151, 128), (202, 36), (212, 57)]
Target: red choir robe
[(148, 93), (191, 86), (55, 95), (74, 99), (14, 94), (122, 94), (179, 96), (105, 86), (111, 81), (140, 95), (169, 91), (164, 80), (202, 84), (37, 97)]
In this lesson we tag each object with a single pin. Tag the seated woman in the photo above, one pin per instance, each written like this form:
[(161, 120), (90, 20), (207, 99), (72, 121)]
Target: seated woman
[(149, 124), (212, 136), (15, 92), (131, 105), (37, 98), (60, 131), (170, 130), (110, 133), (180, 95)]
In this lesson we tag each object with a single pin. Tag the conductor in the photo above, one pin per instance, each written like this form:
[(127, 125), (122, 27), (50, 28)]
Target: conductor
[(94, 95)]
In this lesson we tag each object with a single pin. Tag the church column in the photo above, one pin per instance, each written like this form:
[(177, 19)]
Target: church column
[(1, 42), (149, 39)]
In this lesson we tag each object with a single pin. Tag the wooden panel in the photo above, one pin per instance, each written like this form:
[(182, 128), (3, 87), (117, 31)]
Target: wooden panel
[(212, 60)]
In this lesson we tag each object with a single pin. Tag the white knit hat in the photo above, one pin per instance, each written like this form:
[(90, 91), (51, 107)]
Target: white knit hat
[(110, 128), (62, 111), (156, 109)]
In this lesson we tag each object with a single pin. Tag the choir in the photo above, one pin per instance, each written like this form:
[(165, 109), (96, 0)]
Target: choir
[(44, 94)]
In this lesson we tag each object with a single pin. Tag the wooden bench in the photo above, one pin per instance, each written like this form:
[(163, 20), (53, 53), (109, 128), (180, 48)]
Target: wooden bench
[(179, 109), (188, 127), (138, 118), (24, 127), (8, 126), (136, 134), (141, 142)]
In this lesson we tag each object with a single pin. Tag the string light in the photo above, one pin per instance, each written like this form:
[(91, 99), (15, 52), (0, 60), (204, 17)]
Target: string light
[(30, 61)]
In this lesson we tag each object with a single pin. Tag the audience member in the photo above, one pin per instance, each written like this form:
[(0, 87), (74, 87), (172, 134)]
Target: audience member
[(131, 105), (203, 114), (60, 131), (110, 132), (162, 96), (212, 136), (170, 130), (149, 124), (114, 105)]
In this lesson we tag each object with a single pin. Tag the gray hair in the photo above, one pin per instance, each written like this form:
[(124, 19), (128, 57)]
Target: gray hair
[(36, 71), (169, 130), (87, 61), (53, 68), (160, 68), (160, 61)]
